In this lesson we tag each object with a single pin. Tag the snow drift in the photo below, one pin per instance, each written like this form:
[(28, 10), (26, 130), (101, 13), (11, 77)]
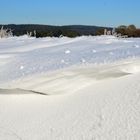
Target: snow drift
[(84, 88)]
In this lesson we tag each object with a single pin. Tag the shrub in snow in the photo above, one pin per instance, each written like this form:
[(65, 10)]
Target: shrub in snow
[(29, 34), (4, 33), (105, 31), (110, 32)]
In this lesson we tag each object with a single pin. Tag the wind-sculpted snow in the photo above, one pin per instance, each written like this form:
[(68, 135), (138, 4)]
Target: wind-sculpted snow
[(22, 56), (67, 80), (85, 88), (101, 103)]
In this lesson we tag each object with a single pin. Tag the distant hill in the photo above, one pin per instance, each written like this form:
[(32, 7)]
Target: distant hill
[(48, 30)]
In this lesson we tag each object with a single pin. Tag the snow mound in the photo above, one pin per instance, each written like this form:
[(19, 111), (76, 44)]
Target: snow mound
[(104, 104), (97, 83), (71, 80)]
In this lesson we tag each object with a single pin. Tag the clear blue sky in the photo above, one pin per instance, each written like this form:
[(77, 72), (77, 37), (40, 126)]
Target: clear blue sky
[(66, 12)]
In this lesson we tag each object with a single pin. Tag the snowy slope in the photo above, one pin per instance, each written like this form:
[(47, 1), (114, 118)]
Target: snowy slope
[(24, 56), (86, 88)]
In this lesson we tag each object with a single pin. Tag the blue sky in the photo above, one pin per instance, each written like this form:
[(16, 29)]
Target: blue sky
[(67, 12)]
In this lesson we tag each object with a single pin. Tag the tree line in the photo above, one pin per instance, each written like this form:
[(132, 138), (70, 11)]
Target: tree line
[(130, 31), (53, 31), (69, 31)]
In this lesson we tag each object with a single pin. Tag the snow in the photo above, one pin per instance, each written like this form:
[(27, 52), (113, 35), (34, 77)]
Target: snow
[(94, 51), (21, 67), (48, 54), (67, 51), (136, 46), (85, 88)]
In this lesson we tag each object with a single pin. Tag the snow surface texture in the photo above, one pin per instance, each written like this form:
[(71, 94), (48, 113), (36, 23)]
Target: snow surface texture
[(85, 88), (22, 56)]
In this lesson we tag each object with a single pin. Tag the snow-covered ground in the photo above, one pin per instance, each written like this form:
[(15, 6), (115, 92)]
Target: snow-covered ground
[(85, 88)]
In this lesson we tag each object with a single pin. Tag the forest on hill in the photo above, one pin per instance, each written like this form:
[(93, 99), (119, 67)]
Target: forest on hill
[(56, 31), (69, 31)]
